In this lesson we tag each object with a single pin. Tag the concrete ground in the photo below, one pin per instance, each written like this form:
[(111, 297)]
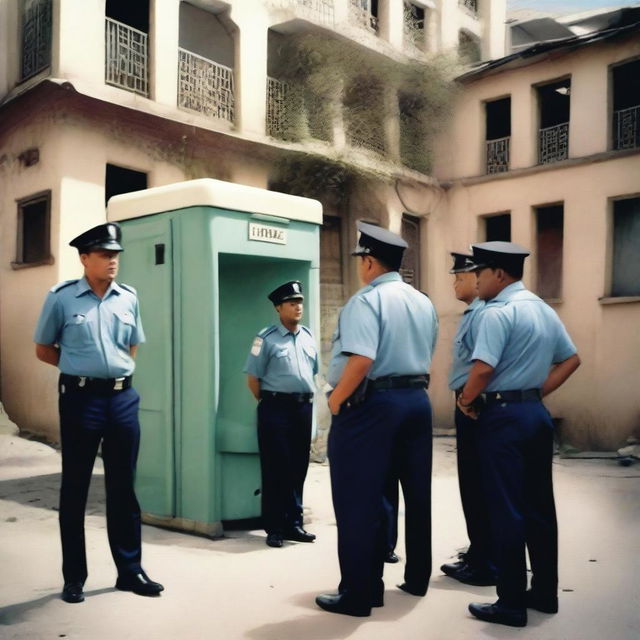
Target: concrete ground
[(237, 587)]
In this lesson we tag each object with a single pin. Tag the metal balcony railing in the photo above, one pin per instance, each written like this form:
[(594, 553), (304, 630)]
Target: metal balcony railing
[(498, 155), (36, 37), (553, 143), (360, 14), (126, 57), (626, 128), (472, 5), (364, 133), (321, 11), (205, 86)]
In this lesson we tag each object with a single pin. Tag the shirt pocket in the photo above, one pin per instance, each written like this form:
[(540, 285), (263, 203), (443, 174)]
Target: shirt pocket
[(124, 323), (282, 360), (77, 331), (461, 350)]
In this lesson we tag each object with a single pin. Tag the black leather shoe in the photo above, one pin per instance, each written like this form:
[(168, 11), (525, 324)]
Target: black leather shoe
[(139, 583), (498, 614), (546, 604), (298, 534), (452, 567), (274, 540), (339, 603), (414, 590), (469, 575), (391, 557), (72, 592)]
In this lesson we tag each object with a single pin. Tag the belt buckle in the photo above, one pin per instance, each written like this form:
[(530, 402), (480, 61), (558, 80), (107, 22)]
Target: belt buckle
[(82, 380), (118, 384)]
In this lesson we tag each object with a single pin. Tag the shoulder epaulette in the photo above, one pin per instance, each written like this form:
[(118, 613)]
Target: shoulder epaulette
[(267, 330), (307, 330), (61, 285), (129, 288)]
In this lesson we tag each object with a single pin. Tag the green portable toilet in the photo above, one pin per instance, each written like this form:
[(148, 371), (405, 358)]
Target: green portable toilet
[(203, 255)]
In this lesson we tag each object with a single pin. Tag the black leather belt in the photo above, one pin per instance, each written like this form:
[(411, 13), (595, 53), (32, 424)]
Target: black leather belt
[(96, 385), (419, 381), (526, 395), (291, 397)]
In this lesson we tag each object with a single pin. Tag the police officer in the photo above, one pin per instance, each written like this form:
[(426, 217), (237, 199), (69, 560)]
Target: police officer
[(90, 329), (381, 424), (281, 367), (522, 352), (475, 566)]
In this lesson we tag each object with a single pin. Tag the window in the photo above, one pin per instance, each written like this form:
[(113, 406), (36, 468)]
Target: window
[(498, 128), (625, 276), (626, 105), (34, 215), (549, 238), (414, 26), (553, 106), (36, 37), (120, 180), (498, 227), (410, 268)]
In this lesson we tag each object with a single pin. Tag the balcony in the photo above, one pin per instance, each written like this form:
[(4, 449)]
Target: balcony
[(205, 86), (284, 110), (626, 128), (127, 57), (553, 143), (498, 155), (319, 11), (361, 15)]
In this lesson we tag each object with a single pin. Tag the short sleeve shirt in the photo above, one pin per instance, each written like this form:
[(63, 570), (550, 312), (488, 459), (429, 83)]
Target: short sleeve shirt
[(389, 322), (463, 342), (94, 334), (521, 337), (283, 361)]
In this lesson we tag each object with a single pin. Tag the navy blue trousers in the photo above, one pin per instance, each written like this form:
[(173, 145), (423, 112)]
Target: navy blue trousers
[(389, 434), (86, 419), (284, 440), (472, 494), (515, 441)]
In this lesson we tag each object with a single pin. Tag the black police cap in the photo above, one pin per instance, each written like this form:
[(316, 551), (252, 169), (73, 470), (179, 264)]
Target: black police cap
[(104, 236), (462, 263), (499, 254), (380, 243), (291, 290)]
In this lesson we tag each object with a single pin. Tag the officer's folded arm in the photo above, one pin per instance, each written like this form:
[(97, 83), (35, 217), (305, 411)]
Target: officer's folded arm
[(353, 374), (48, 353), (479, 378), (559, 374)]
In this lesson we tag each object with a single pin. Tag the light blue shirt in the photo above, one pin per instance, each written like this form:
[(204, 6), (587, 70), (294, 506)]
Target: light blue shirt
[(94, 335), (463, 342), (284, 361), (521, 337), (389, 322)]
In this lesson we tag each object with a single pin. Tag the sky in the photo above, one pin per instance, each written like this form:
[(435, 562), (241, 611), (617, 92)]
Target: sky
[(567, 6)]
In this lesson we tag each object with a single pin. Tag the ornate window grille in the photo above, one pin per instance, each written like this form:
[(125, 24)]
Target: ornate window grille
[(554, 143), (126, 57), (498, 155), (284, 110), (362, 132), (414, 28), (472, 5), (36, 37), (205, 86), (361, 14), (626, 128)]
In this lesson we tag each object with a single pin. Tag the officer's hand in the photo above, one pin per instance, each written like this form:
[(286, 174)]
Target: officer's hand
[(468, 410), (334, 406)]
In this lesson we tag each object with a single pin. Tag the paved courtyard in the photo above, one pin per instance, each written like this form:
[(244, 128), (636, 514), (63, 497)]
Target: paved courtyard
[(237, 587)]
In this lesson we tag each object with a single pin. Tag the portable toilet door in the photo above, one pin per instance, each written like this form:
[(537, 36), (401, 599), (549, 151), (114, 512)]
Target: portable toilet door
[(203, 255)]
